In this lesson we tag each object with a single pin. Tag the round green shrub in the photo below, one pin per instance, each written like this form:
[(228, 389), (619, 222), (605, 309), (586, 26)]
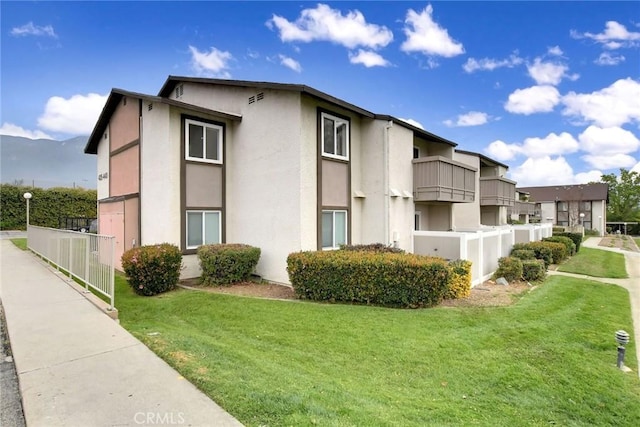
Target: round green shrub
[(510, 268), (533, 270), (566, 241), (523, 254), (152, 269), (227, 263)]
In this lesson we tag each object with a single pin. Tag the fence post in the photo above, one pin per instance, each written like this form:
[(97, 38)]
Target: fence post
[(112, 272), (87, 255), (70, 266)]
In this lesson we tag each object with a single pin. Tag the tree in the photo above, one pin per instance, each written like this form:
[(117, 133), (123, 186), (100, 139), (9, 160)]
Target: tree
[(624, 196)]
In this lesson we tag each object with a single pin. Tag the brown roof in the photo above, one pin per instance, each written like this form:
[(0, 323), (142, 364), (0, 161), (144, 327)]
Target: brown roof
[(580, 192)]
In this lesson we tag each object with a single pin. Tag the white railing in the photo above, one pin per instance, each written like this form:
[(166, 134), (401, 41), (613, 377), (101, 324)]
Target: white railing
[(86, 257), (483, 247)]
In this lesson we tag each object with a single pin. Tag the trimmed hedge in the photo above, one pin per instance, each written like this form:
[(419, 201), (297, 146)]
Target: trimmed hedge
[(153, 269), (523, 254), (372, 247), (366, 277), (542, 252), (566, 241), (227, 263), (533, 270), (575, 237), (510, 268), (460, 280)]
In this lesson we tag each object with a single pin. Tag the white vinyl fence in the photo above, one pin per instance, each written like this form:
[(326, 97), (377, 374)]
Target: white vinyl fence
[(87, 257), (482, 247)]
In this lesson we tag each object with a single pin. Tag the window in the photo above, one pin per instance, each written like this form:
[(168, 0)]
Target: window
[(335, 137), (203, 228), (416, 221), (203, 142), (563, 207), (585, 206), (416, 152), (334, 229)]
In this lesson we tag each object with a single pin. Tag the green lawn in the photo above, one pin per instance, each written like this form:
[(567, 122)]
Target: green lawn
[(596, 263), (20, 242), (547, 360)]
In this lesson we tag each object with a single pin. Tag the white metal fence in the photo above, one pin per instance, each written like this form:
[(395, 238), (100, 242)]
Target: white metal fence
[(87, 257), (482, 247)]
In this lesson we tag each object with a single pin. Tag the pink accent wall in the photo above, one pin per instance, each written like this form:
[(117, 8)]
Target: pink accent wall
[(111, 223), (131, 221), (125, 172), (124, 126)]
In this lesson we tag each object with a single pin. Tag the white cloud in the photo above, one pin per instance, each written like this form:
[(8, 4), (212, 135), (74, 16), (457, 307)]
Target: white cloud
[(551, 145), (612, 106), (368, 59), (614, 36), (15, 130), (76, 115), (608, 141), (424, 35), (214, 63), (587, 177), (555, 51), (34, 30), (326, 24), (548, 73), (502, 151), (535, 99), (412, 122), (472, 118), (608, 58), (636, 168), (290, 63), (543, 171), (490, 64), (615, 161)]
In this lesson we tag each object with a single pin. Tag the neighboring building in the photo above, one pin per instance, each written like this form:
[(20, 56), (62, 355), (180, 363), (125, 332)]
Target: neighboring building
[(522, 210), (571, 205), (282, 167)]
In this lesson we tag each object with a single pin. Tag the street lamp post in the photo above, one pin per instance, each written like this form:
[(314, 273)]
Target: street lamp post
[(27, 197), (582, 222)]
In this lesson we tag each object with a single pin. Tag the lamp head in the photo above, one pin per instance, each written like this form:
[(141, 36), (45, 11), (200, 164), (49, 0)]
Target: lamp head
[(27, 196)]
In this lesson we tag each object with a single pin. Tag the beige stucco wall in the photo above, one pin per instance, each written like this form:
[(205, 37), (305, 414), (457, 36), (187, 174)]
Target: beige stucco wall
[(103, 166), (599, 216), (369, 161), (466, 216), (548, 212), (160, 175), (401, 208)]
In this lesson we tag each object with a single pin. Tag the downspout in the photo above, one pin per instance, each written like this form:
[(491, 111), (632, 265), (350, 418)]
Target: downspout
[(385, 179)]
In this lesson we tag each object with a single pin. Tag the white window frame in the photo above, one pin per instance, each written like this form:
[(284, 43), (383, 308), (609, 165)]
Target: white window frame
[(204, 125), (336, 120), (203, 212), (333, 226), (417, 220)]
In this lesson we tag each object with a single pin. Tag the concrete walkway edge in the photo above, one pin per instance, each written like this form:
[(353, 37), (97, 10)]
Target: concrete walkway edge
[(77, 367)]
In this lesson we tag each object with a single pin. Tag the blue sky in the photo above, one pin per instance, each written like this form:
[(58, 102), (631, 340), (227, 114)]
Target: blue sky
[(552, 89)]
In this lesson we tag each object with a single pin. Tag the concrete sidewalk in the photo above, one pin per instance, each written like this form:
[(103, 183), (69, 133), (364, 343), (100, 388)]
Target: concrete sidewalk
[(632, 284), (77, 367)]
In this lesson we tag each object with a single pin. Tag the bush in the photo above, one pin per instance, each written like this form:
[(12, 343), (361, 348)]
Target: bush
[(510, 268), (575, 237), (542, 251), (556, 230), (365, 277), (224, 264), (523, 254), (153, 269), (372, 247), (591, 232), (460, 280), (567, 242), (533, 270)]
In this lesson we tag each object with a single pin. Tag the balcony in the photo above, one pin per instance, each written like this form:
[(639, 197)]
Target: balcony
[(497, 191), (438, 179)]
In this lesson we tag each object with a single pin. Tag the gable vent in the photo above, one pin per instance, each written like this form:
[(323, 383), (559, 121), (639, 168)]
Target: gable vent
[(260, 96), (179, 91), (150, 106), (252, 99)]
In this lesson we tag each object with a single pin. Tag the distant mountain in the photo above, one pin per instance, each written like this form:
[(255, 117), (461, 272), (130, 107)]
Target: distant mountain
[(47, 163)]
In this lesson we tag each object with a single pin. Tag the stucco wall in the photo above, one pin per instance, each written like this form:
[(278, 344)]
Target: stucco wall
[(160, 171), (370, 162), (467, 215), (125, 172), (548, 212), (401, 208), (599, 216), (103, 166), (124, 123)]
